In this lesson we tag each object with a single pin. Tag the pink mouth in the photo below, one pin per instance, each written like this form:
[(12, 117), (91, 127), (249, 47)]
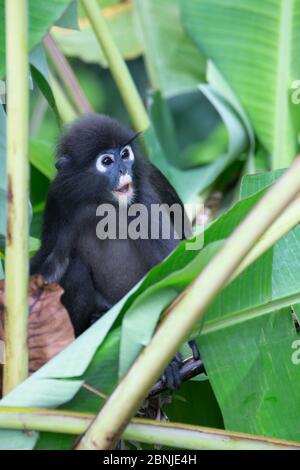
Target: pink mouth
[(124, 190)]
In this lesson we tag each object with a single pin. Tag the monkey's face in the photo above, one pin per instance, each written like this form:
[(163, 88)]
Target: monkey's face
[(97, 162), (115, 165)]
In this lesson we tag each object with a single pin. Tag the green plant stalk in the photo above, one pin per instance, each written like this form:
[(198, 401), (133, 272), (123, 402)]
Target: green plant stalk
[(16, 263), (280, 159), (187, 309), (65, 109), (67, 76), (147, 431), (282, 225), (118, 67), (199, 438)]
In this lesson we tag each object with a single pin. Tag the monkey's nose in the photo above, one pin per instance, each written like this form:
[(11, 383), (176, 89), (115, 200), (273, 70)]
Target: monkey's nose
[(123, 171), (124, 180)]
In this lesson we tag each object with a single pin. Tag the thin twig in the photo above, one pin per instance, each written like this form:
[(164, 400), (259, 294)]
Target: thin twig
[(95, 391), (67, 76), (66, 110)]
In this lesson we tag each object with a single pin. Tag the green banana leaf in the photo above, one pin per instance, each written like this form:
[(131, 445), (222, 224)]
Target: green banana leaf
[(41, 155), (254, 45), (42, 15), (174, 63), (69, 18), (191, 182), (40, 74)]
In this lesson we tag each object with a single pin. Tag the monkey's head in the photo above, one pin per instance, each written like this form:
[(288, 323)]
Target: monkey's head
[(96, 161)]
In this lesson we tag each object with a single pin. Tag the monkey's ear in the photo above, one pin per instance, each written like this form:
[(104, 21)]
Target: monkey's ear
[(62, 162)]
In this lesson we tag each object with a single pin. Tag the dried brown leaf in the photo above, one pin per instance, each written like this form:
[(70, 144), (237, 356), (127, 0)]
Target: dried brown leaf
[(50, 329)]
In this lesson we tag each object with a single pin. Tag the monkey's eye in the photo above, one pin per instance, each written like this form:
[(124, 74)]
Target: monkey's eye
[(104, 161), (127, 153)]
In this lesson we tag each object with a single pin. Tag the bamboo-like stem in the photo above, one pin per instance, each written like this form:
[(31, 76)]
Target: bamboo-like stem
[(65, 109), (147, 431), (67, 76), (16, 286), (44, 420), (117, 66), (199, 438), (187, 309), (282, 225)]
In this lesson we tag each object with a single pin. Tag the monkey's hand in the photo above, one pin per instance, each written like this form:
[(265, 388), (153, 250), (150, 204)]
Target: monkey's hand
[(171, 376)]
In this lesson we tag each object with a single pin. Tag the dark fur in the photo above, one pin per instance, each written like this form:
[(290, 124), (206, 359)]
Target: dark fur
[(95, 273)]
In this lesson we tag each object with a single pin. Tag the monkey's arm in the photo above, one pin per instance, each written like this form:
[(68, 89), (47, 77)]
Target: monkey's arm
[(52, 258)]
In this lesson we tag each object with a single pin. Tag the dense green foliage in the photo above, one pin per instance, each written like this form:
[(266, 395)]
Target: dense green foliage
[(217, 77)]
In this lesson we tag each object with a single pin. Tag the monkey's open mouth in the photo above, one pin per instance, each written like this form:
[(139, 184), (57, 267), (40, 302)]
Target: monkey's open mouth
[(124, 190), (127, 188)]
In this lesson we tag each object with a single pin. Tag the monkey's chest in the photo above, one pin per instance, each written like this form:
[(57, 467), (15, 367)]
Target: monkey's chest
[(116, 265)]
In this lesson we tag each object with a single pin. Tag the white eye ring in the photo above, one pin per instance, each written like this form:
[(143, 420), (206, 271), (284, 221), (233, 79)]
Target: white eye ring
[(130, 156), (100, 162)]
